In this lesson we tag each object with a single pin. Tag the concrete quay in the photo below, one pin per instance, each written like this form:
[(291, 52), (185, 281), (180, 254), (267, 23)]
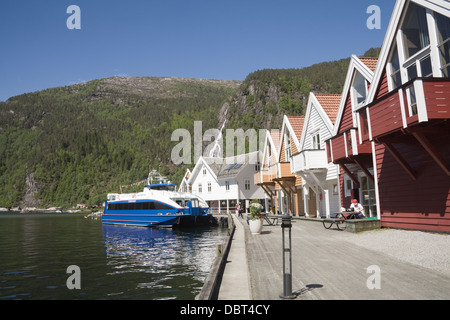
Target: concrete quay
[(327, 265)]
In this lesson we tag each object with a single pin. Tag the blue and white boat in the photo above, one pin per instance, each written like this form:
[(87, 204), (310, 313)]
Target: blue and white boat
[(158, 205)]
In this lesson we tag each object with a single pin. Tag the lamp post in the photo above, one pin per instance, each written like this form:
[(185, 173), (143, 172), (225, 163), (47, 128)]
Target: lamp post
[(286, 225)]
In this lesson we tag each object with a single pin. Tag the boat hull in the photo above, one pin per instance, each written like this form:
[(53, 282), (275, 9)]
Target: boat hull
[(140, 219)]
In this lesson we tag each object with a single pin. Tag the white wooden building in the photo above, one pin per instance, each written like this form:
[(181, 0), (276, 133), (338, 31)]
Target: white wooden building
[(225, 182), (319, 178)]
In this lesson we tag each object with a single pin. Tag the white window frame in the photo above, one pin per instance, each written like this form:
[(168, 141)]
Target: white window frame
[(247, 184), (269, 154), (431, 50), (258, 166), (371, 205), (355, 103), (315, 140), (438, 68), (335, 189), (347, 190), (287, 147)]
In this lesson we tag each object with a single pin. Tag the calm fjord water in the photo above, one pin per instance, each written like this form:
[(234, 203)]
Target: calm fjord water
[(116, 262)]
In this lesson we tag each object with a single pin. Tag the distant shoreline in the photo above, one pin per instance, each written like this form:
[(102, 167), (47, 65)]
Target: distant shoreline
[(42, 211)]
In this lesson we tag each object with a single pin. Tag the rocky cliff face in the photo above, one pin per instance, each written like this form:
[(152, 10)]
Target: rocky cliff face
[(31, 188), (261, 106)]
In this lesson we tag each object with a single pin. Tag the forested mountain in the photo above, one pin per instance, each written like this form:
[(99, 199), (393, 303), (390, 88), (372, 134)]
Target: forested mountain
[(267, 95), (74, 144)]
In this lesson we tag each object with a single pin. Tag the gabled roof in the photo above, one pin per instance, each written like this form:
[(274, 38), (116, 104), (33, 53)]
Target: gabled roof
[(371, 63), (364, 67), (440, 6), (232, 166), (185, 179), (224, 168), (295, 126), (199, 165), (273, 138), (330, 104), (327, 106)]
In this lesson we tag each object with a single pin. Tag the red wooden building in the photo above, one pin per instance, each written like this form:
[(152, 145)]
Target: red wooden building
[(356, 178), (406, 118)]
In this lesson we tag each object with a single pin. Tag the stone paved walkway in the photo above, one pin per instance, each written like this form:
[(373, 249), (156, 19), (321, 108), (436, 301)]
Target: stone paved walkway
[(326, 265)]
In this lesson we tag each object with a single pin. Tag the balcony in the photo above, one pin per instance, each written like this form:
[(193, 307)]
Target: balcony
[(417, 101), (262, 177), (280, 170), (309, 160), (346, 145), (285, 170)]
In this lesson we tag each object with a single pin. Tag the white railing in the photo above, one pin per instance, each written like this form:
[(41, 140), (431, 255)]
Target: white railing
[(309, 160)]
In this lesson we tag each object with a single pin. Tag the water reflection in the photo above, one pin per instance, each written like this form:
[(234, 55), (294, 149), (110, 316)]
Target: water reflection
[(169, 263), (116, 262), (133, 249)]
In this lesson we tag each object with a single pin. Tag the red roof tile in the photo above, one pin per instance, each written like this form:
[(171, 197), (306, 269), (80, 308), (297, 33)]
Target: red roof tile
[(297, 125), (276, 134), (371, 63), (330, 104)]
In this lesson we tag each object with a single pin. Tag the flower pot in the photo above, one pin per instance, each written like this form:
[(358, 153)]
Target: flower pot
[(255, 226)]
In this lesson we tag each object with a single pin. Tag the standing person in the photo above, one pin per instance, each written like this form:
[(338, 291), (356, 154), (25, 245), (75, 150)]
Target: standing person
[(358, 208), (240, 210)]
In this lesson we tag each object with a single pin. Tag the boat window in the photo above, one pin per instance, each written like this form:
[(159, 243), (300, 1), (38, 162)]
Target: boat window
[(139, 206), (162, 187), (161, 206)]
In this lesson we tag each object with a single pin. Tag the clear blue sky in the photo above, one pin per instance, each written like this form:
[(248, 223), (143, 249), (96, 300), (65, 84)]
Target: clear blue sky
[(216, 39)]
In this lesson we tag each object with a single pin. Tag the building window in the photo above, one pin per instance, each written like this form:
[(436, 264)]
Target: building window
[(348, 185), (412, 101), (443, 31), (316, 141), (200, 188), (359, 90), (335, 189), (368, 196), (415, 30), (288, 146), (416, 40), (394, 66), (204, 171), (269, 153), (258, 166), (247, 184), (209, 186), (227, 185)]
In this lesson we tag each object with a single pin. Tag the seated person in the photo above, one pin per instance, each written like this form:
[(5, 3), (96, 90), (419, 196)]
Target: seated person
[(357, 208)]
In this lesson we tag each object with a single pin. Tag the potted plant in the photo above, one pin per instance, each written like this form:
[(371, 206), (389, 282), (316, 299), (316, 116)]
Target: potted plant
[(256, 221)]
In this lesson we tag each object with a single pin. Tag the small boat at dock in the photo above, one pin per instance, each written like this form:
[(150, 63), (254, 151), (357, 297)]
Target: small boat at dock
[(158, 205)]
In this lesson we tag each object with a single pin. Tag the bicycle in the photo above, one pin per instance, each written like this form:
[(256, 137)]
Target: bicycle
[(340, 220)]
